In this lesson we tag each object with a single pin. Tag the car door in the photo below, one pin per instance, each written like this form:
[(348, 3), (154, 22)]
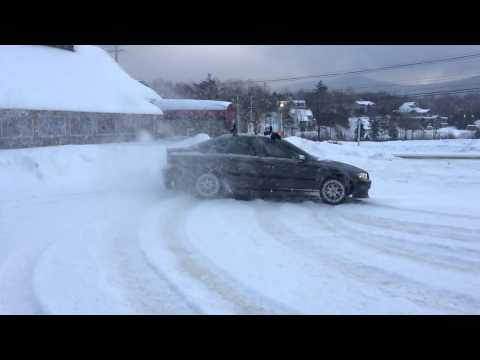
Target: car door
[(284, 171), (242, 164)]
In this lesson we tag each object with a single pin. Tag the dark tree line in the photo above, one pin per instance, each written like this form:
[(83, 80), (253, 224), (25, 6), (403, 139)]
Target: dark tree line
[(329, 107)]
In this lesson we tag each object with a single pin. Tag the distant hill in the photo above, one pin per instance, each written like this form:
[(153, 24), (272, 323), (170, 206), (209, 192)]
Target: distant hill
[(341, 83), (364, 84), (471, 82)]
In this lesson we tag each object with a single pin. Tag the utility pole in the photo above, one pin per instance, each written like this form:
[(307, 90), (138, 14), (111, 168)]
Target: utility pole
[(281, 120), (359, 124), (238, 114), (116, 51), (358, 131), (251, 110)]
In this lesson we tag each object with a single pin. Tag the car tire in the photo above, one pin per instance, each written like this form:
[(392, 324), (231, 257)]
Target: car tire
[(208, 186), (333, 192), (169, 179)]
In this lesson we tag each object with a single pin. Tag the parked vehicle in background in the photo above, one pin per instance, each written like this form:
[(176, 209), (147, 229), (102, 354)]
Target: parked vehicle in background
[(259, 166)]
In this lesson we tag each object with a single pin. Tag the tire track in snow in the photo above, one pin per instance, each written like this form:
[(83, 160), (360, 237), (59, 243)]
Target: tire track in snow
[(415, 228), (147, 290), (410, 210), (16, 285), (434, 294), (196, 266), (125, 267), (100, 269), (392, 284), (434, 254)]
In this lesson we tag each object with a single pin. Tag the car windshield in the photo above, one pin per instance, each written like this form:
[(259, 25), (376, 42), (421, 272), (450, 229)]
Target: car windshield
[(297, 150)]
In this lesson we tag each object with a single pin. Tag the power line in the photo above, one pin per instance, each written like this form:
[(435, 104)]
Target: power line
[(451, 92), (370, 70), (399, 87), (418, 82)]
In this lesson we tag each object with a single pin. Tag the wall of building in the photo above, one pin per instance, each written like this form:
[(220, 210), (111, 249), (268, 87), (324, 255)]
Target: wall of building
[(33, 128)]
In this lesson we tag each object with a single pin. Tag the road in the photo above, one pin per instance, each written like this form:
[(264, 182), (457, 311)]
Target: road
[(145, 250)]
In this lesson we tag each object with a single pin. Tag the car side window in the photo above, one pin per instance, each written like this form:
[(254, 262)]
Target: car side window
[(241, 146), (277, 149), (219, 146), (213, 146)]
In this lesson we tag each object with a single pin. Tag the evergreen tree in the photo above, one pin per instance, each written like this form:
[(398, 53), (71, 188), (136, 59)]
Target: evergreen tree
[(375, 128), (319, 104), (477, 134), (393, 132), (206, 89)]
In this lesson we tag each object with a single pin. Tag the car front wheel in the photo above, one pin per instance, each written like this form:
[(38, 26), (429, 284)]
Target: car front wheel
[(208, 186), (333, 192)]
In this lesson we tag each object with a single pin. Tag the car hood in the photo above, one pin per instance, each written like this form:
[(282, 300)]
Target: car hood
[(340, 166)]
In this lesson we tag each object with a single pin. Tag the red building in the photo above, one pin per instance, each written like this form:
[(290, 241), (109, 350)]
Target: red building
[(190, 117)]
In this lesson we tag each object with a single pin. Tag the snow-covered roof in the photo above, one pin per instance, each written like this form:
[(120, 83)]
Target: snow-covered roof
[(302, 114), (365, 102), (187, 104), (88, 79), (410, 107)]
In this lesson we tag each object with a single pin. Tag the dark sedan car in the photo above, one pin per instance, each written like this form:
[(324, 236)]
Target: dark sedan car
[(258, 166)]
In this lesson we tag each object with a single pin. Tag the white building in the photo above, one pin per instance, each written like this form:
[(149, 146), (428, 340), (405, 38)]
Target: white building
[(412, 108), (300, 116)]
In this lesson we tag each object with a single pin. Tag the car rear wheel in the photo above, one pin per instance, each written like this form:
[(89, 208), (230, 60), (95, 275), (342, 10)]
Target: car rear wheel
[(208, 186), (333, 192)]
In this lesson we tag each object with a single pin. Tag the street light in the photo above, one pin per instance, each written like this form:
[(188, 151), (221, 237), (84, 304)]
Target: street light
[(365, 107), (281, 116)]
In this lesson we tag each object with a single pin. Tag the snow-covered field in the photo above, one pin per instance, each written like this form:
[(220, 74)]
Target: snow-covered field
[(90, 230)]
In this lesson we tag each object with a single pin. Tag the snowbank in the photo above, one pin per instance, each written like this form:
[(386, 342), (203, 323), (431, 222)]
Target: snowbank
[(84, 168), (187, 104), (454, 132), (368, 150), (43, 78)]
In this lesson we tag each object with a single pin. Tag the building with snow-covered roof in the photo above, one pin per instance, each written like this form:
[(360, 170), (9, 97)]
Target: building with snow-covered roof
[(190, 117), (412, 108), (188, 104), (362, 107), (474, 126), (364, 103), (299, 117), (70, 94), (39, 77)]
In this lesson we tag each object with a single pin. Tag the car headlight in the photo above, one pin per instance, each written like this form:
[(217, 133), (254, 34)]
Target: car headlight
[(363, 176)]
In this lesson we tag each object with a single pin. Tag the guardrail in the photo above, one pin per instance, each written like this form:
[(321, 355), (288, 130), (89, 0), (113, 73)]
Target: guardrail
[(439, 157)]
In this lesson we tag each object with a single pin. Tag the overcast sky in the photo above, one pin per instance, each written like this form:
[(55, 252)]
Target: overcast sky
[(193, 62)]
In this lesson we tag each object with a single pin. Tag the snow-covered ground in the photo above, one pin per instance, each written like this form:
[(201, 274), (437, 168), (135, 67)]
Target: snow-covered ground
[(90, 230)]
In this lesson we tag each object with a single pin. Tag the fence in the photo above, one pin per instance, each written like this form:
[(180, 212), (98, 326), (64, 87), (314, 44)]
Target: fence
[(32, 128), (328, 133)]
